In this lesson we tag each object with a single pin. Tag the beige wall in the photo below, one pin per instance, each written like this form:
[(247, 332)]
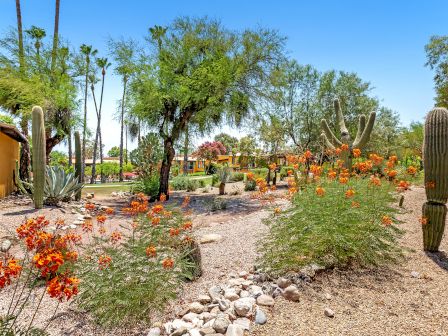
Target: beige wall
[(9, 153)]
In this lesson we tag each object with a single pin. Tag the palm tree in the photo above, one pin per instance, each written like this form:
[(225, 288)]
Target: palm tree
[(37, 34), (157, 32), (103, 64), (20, 34), (88, 52), (55, 36)]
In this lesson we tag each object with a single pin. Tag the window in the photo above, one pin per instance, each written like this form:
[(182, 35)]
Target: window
[(190, 165)]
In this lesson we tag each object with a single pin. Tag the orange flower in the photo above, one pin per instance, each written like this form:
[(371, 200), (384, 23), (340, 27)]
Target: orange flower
[(272, 166), (110, 211), (295, 166), (155, 221), (162, 197), (250, 176), (344, 147), (62, 287), (411, 170), (101, 219), (349, 193), (320, 191), (174, 232), (102, 230), (331, 174), (187, 225), (48, 261), (185, 202), (423, 220), (90, 206), (158, 208), (356, 152), (104, 261), (386, 220), (115, 237), (375, 180), (392, 173), (87, 226), (308, 155), (355, 204), (273, 188), (168, 263), (337, 151), (290, 172), (11, 270), (151, 251), (343, 180), (403, 185)]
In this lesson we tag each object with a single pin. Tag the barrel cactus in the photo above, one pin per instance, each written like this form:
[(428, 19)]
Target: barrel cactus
[(39, 156), (361, 139), (78, 163), (435, 163)]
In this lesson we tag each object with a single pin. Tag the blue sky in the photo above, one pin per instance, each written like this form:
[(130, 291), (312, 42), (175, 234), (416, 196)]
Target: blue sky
[(383, 41)]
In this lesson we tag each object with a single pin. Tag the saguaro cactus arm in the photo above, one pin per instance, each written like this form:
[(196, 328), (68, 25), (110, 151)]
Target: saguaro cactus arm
[(345, 135), (327, 142), (361, 127), (366, 133), (329, 135)]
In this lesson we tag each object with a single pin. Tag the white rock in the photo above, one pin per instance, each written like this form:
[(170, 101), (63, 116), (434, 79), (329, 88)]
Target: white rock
[(221, 323), (215, 293), (244, 293), (243, 306), (291, 293), (210, 238), (260, 316), (236, 282), (194, 332), (243, 274), (72, 226), (328, 296), (328, 312), (234, 330), (265, 300), (179, 332), (204, 299), (243, 322), (154, 332), (168, 327), (206, 316), (178, 324), (6, 245), (415, 274), (230, 294), (190, 317), (255, 290), (196, 307)]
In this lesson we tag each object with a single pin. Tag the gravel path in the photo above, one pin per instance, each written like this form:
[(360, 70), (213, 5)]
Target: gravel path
[(391, 302)]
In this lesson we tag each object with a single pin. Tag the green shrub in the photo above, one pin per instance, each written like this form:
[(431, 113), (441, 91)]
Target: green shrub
[(328, 230), (192, 185), (237, 176), (215, 180), (184, 183), (284, 171), (135, 284), (250, 185), (213, 168), (202, 183), (217, 203), (149, 185), (259, 172)]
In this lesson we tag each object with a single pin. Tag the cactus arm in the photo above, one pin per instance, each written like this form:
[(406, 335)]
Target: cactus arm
[(366, 133), (329, 134), (340, 117), (327, 142), (39, 156), (361, 128)]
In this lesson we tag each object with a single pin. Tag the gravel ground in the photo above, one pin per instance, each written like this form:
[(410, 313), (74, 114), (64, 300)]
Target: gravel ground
[(390, 302)]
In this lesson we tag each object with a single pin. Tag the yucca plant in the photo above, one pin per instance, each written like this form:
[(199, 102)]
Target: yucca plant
[(60, 186), (223, 174)]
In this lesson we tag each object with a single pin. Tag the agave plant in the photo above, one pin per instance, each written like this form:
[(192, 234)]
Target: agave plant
[(223, 174), (59, 185)]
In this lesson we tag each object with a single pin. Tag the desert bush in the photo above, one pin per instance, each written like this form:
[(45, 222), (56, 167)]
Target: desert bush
[(284, 171), (237, 176), (131, 274), (329, 225), (217, 204), (213, 168), (250, 185), (184, 183), (259, 172), (149, 185)]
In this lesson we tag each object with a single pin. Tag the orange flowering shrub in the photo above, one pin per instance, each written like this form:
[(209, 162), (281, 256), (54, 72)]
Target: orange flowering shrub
[(320, 191), (356, 153)]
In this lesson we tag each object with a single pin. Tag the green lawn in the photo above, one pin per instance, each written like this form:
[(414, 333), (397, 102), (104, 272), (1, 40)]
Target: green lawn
[(106, 188)]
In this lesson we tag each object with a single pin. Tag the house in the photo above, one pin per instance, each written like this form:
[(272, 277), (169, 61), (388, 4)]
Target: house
[(196, 165), (10, 139)]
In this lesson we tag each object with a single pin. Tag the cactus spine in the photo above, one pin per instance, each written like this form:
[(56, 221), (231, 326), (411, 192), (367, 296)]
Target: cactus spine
[(361, 139), (435, 163), (78, 162), (39, 158)]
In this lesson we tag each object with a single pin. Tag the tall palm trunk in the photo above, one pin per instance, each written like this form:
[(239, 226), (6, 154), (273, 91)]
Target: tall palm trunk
[(20, 35), (100, 138), (55, 37), (84, 131), (95, 144), (122, 127), (126, 146), (70, 149), (185, 166)]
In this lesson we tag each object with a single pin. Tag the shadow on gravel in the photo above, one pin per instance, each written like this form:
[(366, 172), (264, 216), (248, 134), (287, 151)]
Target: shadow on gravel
[(440, 258), (22, 212)]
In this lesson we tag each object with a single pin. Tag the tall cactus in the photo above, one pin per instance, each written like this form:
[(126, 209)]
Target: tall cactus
[(78, 162), (39, 156), (435, 163), (361, 139)]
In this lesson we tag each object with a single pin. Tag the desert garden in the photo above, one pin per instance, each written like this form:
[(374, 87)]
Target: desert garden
[(325, 216)]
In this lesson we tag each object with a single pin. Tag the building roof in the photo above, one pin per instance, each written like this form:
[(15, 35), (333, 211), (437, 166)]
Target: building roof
[(12, 132)]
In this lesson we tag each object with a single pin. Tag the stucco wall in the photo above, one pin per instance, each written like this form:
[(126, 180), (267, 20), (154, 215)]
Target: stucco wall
[(9, 153)]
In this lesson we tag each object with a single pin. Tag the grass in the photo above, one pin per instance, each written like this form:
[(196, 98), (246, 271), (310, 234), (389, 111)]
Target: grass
[(106, 188), (333, 230)]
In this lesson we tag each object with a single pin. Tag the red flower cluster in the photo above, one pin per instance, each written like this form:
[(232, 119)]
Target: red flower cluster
[(11, 269), (62, 287)]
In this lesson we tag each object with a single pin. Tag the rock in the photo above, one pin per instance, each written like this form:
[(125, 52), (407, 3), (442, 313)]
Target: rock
[(154, 332), (204, 299), (72, 226), (243, 274), (221, 324), (247, 283), (209, 324), (114, 194), (415, 274), (6, 245), (236, 282), (283, 282), (244, 293), (233, 275), (87, 216), (277, 292), (73, 211), (243, 306), (168, 327), (210, 238), (206, 316), (260, 316), (234, 330), (255, 290), (291, 293), (190, 317), (196, 307), (194, 332), (179, 332), (230, 294), (181, 311), (178, 324), (215, 310), (243, 322), (215, 293), (78, 222), (328, 312), (223, 304), (265, 300), (328, 296), (207, 331)]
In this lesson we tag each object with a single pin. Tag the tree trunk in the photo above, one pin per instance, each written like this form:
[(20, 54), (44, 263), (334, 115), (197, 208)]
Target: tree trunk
[(168, 156), (95, 144), (126, 146), (222, 187), (84, 131), (55, 37), (20, 35), (122, 129), (185, 166), (70, 150), (103, 180), (50, 143)]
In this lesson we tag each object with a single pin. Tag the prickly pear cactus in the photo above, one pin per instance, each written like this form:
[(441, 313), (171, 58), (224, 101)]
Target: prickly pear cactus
[(78, 162), (435, 163), (39, 157)]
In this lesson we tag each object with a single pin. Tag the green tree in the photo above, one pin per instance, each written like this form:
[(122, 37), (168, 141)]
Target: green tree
[(199, 74), (229, 142), (115, 152), (124, 53), (148, 155), (386, 133), (247, 148), (437, 59)]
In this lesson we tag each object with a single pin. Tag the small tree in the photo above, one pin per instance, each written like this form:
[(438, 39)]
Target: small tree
[(209, 151)]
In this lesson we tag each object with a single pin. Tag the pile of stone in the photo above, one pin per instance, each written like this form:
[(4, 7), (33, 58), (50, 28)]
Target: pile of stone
[(227, 309)]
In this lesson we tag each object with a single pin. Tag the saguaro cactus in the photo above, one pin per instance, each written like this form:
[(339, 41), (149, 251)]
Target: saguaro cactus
[(361, 139), (39, 157), (435, 163), (78, 162)]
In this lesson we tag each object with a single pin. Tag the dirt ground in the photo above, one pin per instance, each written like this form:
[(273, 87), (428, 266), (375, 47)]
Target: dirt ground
[(409, 299)]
